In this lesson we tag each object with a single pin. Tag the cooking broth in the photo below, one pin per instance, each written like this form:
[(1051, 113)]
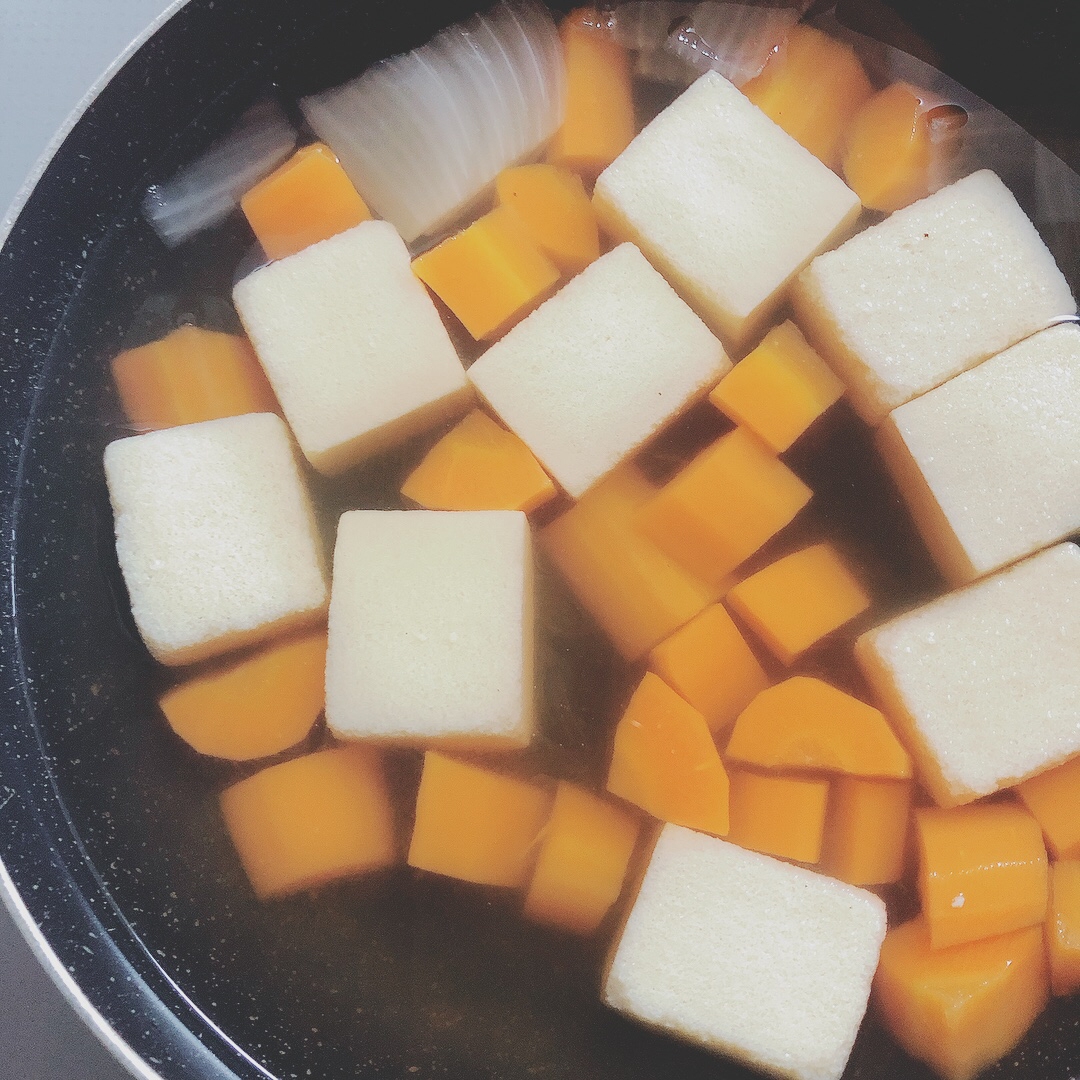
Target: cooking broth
[(411, 957)]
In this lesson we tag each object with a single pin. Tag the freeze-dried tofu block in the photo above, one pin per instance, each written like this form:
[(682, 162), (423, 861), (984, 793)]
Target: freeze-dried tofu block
[(726, 204), (982, 685), (215, 535), (599, 368), (747, 955), (990, 462), (931, 291), (431, 628), (352, 345)]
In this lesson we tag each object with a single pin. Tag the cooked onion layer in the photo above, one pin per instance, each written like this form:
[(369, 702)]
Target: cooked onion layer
[(734, 39), (423, 133), (204, 193)]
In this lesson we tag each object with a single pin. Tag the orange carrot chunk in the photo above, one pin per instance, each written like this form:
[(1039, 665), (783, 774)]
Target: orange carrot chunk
[(598, 123), (475, 824), (778, 815), (961, 1008), (887, 162), (779, 389), (479, 465), (723, 506), (557, 213), (812, 87), (585, 851), (306, 200), (866, 829), (630, 587), (795, 602), (665, 761), (490, 274), (1054, 798), (190, 376), (253, 707), (982, 871), (710, 664), (804, 723), (311, 820), (1063, 927)]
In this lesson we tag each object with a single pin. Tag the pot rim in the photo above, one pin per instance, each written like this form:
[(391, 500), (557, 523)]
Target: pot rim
[(10, 896), (63, 981), (37, 170)]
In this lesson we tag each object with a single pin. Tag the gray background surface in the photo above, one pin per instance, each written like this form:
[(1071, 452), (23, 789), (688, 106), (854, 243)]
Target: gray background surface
[(51, 52)]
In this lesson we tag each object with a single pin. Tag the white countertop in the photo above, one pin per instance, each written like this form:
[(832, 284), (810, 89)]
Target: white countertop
[(51, 52)]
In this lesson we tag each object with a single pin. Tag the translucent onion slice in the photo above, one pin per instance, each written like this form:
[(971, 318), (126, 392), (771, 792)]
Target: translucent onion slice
[(662, 66), (474, 82), (423, 134), (734, 39), (524, 27), (388, 114), (644, 25), (205, 192)]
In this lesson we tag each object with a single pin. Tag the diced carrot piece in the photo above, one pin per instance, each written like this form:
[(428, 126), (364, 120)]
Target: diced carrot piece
[(665, 761), (796, 601), (1053, 797), (598, 123), (804, 723), (311, 820), (490, 274), (887, 162), (779, 389), (475, 824), (710, 664), (629, 586), (961, 1008), (778, 815), (308, 199), (723, 506), (866, 829), (479, 465), (1063, 927), (585, 851), (189, 376), (812, 87), (253, 707), (557, 213), (982, 871)]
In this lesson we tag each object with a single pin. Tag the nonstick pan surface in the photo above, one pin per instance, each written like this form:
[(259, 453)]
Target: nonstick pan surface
[(109, 830)]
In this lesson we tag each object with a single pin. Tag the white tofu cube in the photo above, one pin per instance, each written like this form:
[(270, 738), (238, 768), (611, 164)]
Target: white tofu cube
[(215, 535), (983, 685), (727, 205), (741, 953), (431, 628), (352, 345), (929, 292), (599, 368), (990, 462)]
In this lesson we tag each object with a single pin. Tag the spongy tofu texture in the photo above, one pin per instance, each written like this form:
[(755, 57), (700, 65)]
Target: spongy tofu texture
[(725, 203), (747, 955), (929, 292), (352, 345), (431, 627), (983, 684), (999, 450), (599, 368), (215, 535)]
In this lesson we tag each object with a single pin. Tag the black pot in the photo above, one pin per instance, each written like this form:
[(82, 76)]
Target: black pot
[(108, 829)]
